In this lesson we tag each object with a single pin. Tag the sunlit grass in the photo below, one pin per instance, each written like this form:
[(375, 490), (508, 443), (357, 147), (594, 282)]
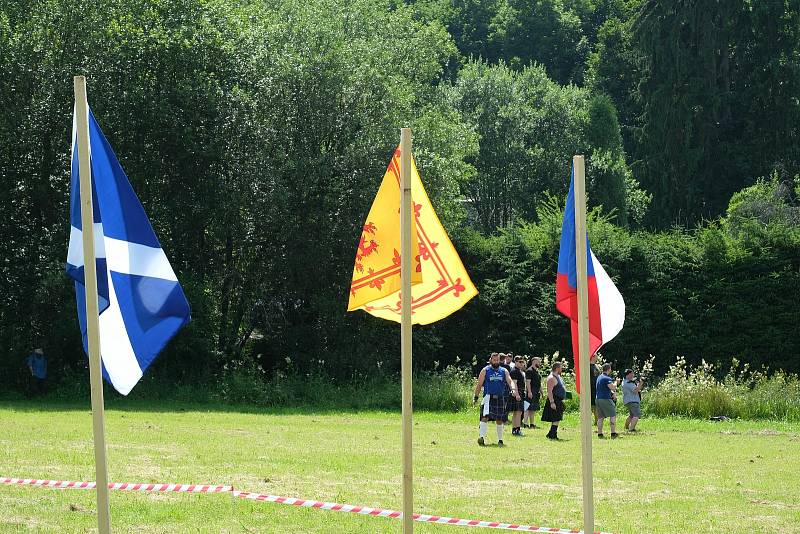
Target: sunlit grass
[(679, 475)]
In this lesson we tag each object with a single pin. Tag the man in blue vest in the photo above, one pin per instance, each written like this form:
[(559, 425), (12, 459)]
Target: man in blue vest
[(493, 379)]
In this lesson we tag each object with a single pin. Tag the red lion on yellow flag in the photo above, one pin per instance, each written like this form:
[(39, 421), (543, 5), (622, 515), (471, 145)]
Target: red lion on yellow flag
[(440, 284)]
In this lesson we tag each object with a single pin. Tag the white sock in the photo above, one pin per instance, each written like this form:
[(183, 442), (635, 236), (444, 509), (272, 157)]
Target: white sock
[(484, 426), (500, 432)]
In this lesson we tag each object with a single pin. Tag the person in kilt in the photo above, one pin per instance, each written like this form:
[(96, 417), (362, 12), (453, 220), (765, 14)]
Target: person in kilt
[(493, 379), (515, 406), (554, 406), (533, 389)]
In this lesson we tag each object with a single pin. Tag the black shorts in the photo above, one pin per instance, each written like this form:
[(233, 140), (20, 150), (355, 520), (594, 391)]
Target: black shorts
[(497, 410)]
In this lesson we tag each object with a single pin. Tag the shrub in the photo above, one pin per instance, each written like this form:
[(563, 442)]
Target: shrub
[(741, 393)]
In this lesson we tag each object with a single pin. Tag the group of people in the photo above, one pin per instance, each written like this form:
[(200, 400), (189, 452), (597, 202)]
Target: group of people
[(513, 385), (604, 398)]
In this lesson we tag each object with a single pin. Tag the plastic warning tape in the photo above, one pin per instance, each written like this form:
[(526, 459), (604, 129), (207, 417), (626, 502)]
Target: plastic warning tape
[(303, 503), (379, 512), (121, 486)]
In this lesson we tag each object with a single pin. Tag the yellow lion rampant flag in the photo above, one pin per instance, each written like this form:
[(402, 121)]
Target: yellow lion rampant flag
[(440, 284)]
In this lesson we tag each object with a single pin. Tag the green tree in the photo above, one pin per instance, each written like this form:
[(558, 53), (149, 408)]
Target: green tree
[(613, 69), (718, 98), (529, 127), (542, 31), (557, 34), (255, 136)]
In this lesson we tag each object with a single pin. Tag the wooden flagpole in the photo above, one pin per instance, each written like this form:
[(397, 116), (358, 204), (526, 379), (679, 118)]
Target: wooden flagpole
[(578, 166), (92, 313), (406, 261)]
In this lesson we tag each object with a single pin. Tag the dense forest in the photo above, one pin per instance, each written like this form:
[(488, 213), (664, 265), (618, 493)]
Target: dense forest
[(256, 134)]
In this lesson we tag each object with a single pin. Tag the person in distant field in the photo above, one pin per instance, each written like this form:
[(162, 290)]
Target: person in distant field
[(508, 360), (516, 406), (493, 379), (606, 401), (594, 372), (533, 390), (37, 363), (632, 398), (553, 411)]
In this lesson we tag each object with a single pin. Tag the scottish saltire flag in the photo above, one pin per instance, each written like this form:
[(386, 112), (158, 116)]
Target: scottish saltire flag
[(606, 307), (141, 302)]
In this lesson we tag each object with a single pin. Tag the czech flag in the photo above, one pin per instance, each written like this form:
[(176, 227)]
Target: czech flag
[(606, 307)]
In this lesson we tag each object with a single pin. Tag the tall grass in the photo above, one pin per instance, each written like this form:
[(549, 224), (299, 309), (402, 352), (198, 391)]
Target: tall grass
[(698, 392), (741, 393), (447, 390)]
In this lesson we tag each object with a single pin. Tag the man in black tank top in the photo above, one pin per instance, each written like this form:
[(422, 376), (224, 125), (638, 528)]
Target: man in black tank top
[(554, 404)]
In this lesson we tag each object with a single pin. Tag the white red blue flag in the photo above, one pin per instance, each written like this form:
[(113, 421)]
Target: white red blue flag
[(141, 303), (606, 306)]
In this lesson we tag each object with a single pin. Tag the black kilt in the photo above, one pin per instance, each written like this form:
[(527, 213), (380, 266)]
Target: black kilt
[(514, 405), (498, 410), (553, 416), (535, 404)]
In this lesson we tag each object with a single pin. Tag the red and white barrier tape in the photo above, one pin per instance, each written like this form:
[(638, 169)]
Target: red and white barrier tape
[(363, 510), (121, 486), (378, 512)]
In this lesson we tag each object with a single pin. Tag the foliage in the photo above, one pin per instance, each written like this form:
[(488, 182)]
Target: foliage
[(256, 134), (544, 32), (528, 129), (768, 203), (741, 393), (709, 294), (557, 34), (698, 391), (437, 390), (613, 68), (719, 100), (255, 138), (707, 93)]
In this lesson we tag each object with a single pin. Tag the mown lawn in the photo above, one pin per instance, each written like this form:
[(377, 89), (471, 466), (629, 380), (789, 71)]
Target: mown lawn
[(676, 476)]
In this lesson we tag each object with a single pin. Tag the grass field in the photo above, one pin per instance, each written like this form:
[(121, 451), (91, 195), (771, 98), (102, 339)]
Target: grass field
[(676, 476)]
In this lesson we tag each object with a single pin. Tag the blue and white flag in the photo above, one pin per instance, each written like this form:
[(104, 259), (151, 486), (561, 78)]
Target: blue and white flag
[(141, 302)]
